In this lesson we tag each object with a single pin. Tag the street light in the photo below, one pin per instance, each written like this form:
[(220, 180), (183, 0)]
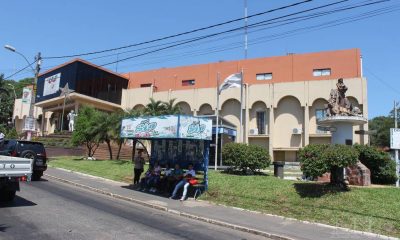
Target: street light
[(29, 121), (12, 49)]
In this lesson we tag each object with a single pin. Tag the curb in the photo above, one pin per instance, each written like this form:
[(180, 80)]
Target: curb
[(172, 211), (228, 225)]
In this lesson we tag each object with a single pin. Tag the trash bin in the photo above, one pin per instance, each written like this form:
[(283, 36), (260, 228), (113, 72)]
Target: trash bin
[(278, 169)]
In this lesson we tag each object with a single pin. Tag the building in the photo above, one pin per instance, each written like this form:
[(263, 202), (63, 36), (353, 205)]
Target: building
[(283, 96)]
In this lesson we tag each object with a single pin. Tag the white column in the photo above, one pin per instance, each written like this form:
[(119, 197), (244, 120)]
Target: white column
[(306, 125), (271, 132)]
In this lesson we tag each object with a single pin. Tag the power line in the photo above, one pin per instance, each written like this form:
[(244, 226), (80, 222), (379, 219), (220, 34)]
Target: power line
[(286, 34), (184, 33), (228, 31), (22, 69), (389, 86)]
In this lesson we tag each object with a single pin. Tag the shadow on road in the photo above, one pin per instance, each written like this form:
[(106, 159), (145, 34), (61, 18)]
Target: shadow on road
[(18, 202), (3, 227)]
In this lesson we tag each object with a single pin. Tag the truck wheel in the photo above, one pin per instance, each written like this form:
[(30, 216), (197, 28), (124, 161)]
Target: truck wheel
[(36, 175), (28, 154), (7, 195)]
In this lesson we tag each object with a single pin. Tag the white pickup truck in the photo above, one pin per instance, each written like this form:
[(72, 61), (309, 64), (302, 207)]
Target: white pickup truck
[(13, 170)]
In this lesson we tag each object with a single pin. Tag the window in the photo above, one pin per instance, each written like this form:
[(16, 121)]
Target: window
[(319, 114), (144, 85), (190, 82), (263, 76), (322, 72), (261, 122)]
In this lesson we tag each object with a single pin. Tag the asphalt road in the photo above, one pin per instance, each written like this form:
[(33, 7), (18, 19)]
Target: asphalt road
[(53, 210)]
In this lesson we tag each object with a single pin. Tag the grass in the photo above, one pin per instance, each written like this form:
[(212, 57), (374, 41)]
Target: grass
[(366, 209)]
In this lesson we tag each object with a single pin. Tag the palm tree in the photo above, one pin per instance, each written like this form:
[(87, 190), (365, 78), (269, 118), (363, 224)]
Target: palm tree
[(154, 108), (171, 107)]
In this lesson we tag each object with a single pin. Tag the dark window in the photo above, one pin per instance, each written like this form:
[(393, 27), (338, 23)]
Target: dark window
[(322, 72), (263, 76), (145, 85), (190, 82), (9, 145), (36, 147), (349, 142), (319, 114), (261, 122)]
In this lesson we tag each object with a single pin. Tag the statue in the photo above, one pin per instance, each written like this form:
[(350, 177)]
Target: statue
[(71, 118), (338, 104)]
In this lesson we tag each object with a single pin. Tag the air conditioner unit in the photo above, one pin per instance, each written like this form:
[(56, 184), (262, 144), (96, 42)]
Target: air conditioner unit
[(297, 131), (253, 131)]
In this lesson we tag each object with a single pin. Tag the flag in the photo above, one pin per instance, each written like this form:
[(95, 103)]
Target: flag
[(233, 81)]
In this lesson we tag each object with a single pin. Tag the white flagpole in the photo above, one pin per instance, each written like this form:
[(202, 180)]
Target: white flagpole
[(241, 106), (217, 126)]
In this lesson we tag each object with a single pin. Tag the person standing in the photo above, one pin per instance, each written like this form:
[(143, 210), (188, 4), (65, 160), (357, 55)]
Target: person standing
[(139, 165)]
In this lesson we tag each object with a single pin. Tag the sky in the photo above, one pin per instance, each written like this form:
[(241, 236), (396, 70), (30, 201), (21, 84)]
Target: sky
[(62, 28)]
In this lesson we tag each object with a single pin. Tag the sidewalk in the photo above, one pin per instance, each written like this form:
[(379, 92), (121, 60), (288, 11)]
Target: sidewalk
[(262, 224)]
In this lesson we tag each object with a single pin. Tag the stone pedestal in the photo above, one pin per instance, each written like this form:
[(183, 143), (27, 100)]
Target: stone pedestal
[(358, 175)]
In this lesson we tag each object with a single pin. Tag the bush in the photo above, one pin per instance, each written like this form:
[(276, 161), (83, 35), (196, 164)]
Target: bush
[(312, 164), (243, 157), (317, 159), (383, 169), (10, 133)]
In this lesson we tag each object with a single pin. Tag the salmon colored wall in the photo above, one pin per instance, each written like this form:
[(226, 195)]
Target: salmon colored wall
[(290, 68)]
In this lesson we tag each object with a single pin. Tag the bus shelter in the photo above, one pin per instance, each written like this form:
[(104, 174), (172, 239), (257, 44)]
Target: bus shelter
[(175, 139)]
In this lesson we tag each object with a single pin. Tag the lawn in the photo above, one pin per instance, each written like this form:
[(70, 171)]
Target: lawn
[(367, 209)]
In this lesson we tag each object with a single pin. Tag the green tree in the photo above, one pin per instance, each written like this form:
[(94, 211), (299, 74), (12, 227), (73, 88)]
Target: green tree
[(171, 107), (155, 108), (242, 157), (317, 159), (382, 126), (87, 129), (6, 101)]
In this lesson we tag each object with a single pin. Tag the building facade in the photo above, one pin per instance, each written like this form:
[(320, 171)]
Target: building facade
[(283, 97)]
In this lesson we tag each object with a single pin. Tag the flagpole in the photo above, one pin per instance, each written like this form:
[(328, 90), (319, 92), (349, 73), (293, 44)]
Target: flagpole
[(217, 126), (241, 106)]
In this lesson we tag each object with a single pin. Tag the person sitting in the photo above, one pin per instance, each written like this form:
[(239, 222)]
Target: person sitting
[(190, 174), (175, 176), (151, 178)]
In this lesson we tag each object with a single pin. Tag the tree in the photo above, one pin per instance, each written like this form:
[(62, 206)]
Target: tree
[(155, 108), (317, 159), (6, 101), (242, 157), (382, 126), (87, 129), (171, 107)]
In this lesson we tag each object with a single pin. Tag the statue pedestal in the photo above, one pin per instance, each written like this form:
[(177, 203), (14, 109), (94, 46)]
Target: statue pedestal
[(342, 133), (342, 127)]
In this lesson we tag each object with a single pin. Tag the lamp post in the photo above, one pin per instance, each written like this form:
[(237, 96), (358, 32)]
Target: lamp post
[(31, 119)]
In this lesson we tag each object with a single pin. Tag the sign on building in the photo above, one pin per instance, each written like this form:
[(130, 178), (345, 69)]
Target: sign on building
[(51, 84), (395, 138), (26, 95)]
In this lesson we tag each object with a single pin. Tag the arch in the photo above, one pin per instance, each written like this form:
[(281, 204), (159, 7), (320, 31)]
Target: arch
[(316, 109), (230, 110), (288, 115), (205, 109), (259, 117), (185, 108), (288, 96)]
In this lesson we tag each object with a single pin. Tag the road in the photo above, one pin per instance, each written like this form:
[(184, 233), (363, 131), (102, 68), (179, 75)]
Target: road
[(52, 210)]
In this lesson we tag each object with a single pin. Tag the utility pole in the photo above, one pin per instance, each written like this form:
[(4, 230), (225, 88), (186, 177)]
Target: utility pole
[(31, 119), (396, 151)]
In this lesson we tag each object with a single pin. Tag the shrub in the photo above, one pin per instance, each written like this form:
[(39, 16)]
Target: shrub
[(312, 164), (317, 159), (10, 133), (243, 157), (383, 169)]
